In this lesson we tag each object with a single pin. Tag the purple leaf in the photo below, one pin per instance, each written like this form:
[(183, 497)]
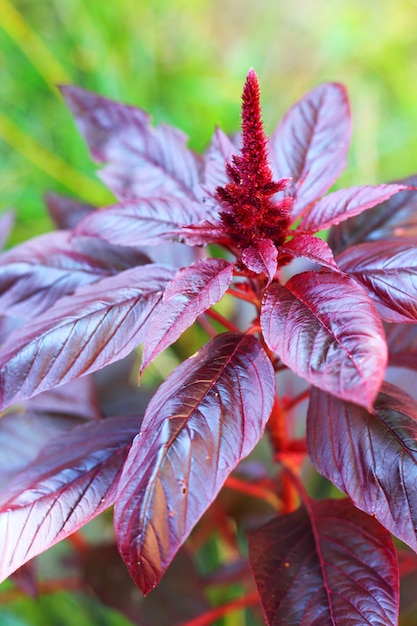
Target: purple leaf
[(310, 247), (396, 217), (311, 143), (99, 324), (144, 161), (344, 203), (37, 273), (325, 565), (326, 329), (192, 291), (76, 399), (73, 479), (388, 272), (402, 345), (66, 212), (203, 233), (207, 416), (7, 326), (173, 253), (25, 430), (218, 154), (261, 257), (372, 457), (144, 222)]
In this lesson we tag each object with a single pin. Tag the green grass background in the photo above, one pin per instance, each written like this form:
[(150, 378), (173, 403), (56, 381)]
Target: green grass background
[(185, 61)]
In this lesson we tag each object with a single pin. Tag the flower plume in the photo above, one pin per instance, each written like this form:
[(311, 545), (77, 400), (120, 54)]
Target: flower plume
[(249, 212)]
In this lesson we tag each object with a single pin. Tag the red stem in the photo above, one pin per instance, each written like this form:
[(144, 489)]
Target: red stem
[(207, 327), (292, 402), (243, 296), (278, 428), (254, 491), (222, 320), (295, 479), (79, 542), (229, 607), (288, 452), (254, 329)]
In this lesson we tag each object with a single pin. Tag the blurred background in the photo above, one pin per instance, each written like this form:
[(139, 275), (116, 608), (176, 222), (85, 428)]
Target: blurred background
[(185, 62)]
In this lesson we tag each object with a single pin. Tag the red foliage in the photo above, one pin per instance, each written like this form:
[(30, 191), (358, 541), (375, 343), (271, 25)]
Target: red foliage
[(318, 350)]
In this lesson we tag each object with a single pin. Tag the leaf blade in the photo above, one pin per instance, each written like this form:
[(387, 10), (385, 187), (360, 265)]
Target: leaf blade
[(325, 328), (99, 324), (37, 273), (345, 203), (66, 212), (203, 419), (402, 345), (143, 161), (25, 430), (72, 480), (376, 464), (217, 155), (192, 291), (310, 247), (396, 217), (311, 142), (261, 257), (325, 565), (142, 222), (388, 272)]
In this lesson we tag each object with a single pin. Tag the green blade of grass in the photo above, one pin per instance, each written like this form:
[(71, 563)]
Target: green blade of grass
[(32, 46), (80, 184)]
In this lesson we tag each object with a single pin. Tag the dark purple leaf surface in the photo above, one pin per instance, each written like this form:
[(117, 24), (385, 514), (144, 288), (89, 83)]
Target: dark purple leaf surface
[(396, 217), (207, 416), (82, 333), (37, 273), (402, 345), (66, 212), (328, 565), (76, 399), (144, 161), (261, 257), (26, 429), (388, 272), (344, 203), (325, 328), (310, 247), (7, 326), (144, 222), (172, 253), (192, 291), (311, 143), (73, 479), (372, 457)]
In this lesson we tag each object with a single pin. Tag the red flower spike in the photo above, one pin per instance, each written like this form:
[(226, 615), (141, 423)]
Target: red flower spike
[(250, 214)]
